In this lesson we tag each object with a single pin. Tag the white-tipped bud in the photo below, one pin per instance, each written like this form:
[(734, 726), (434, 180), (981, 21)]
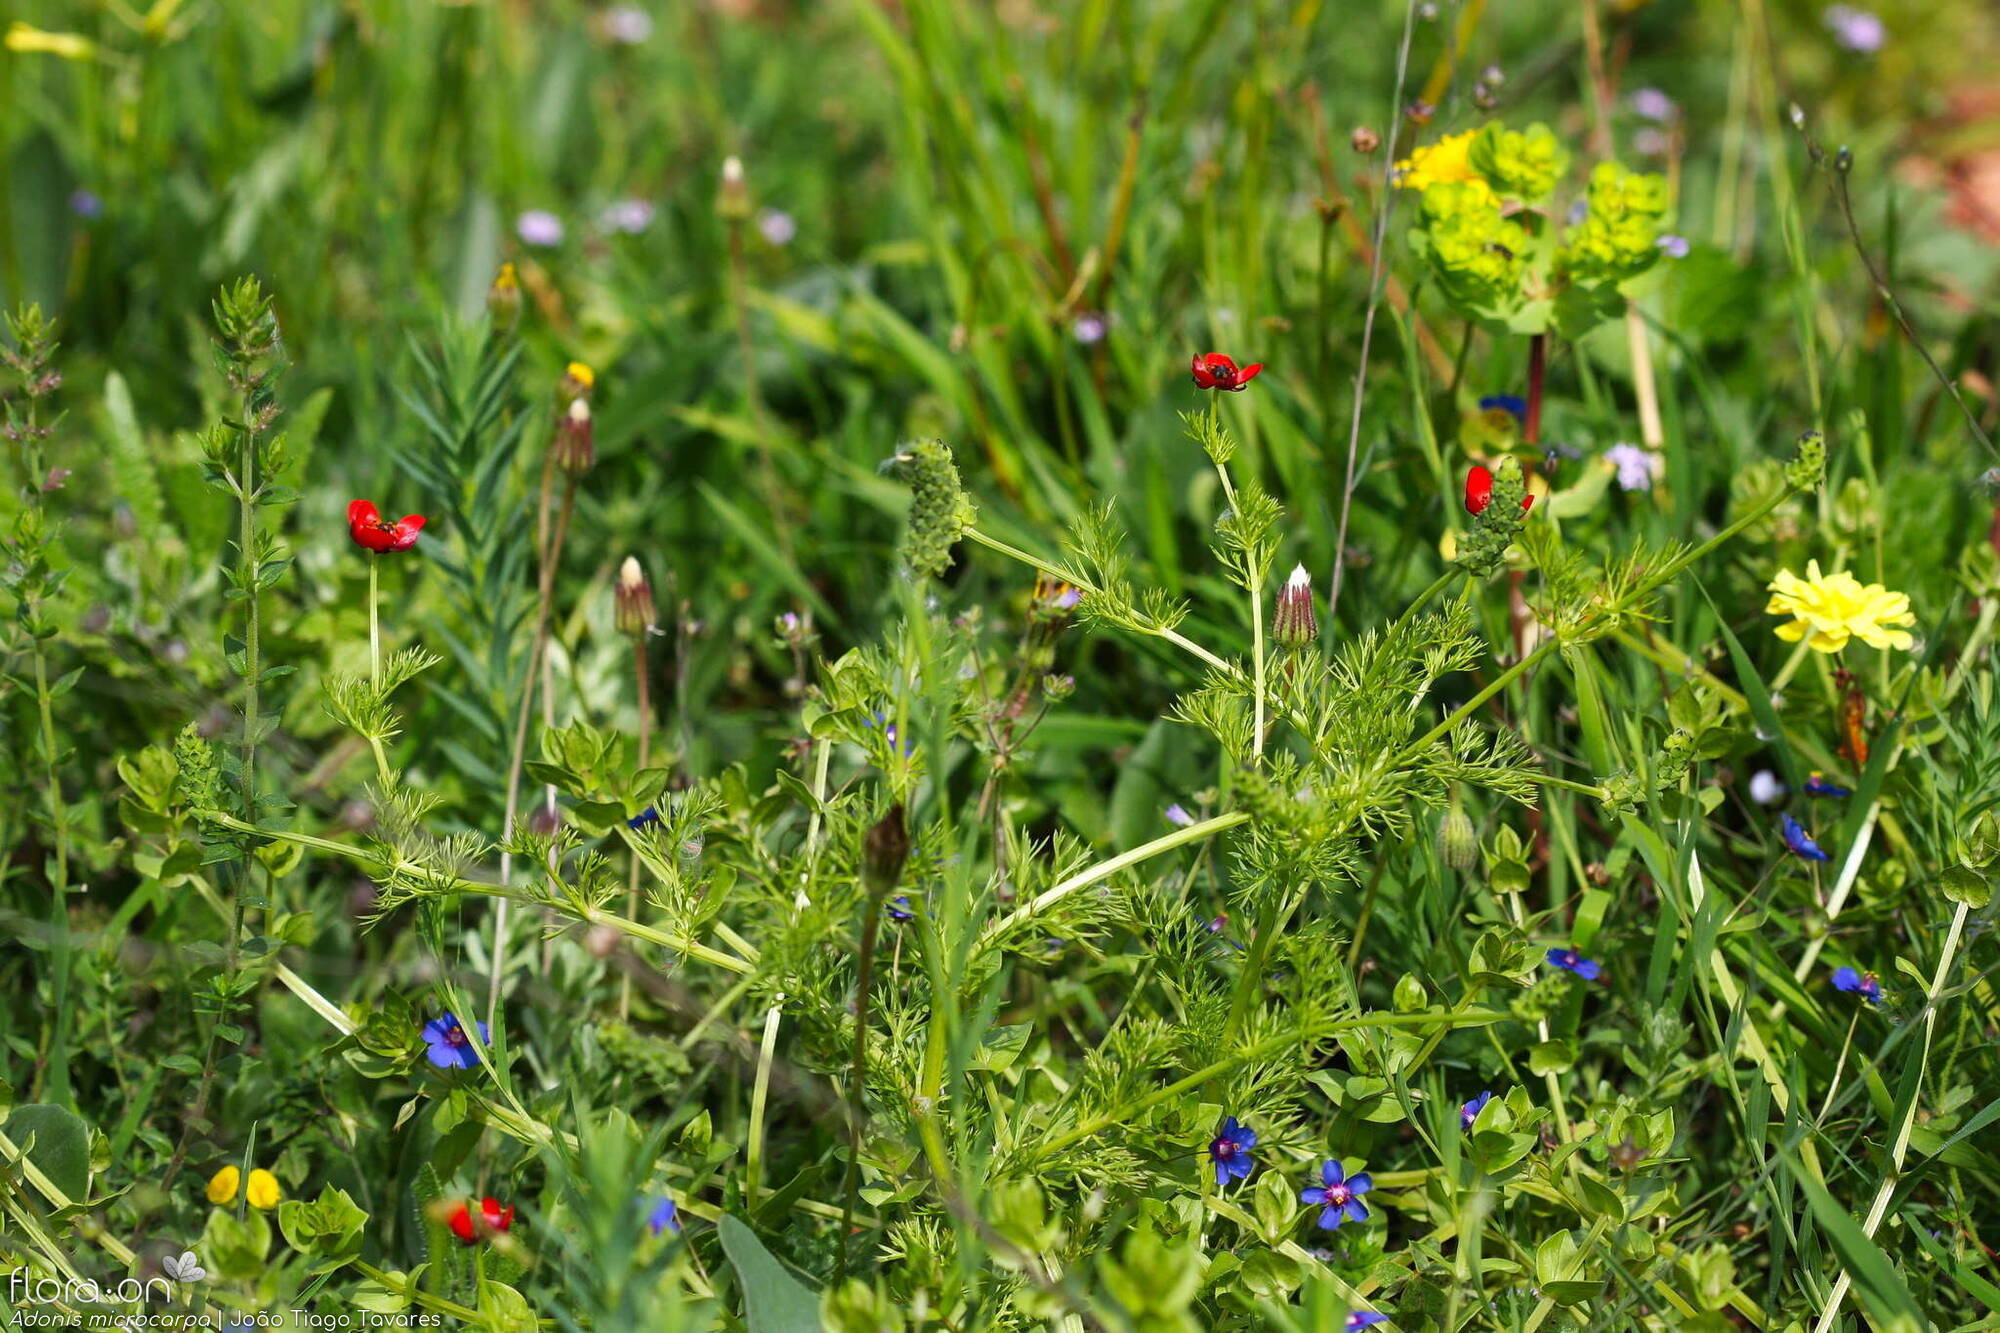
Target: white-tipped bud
[(576, 441), (1293, 624), (633, 600), (732, 201)]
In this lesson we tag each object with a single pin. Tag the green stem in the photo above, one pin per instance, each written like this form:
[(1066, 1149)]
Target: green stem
[(1054, 570), (374, 623), (1083, 879)]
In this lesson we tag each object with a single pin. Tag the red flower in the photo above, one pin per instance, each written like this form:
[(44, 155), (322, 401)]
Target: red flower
[(374, 533), (1216, 371), (1479, 491), (492, 1217)]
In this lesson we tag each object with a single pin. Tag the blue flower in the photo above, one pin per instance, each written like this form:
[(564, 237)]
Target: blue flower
[(889, 733), (1514, 404), (1339, 1196), (1178, 816), (1799, 840), (644, 820), (1470, 1111), (1569, 960), (900, 908), (449, 1047), (664, 1216), (1363, 1318), (1863, 984), (1231, 1152), (1817, 785)]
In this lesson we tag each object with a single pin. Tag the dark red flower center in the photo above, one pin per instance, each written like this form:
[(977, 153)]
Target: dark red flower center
[(1223, 1148), (455, 1035), (1337, 1196)]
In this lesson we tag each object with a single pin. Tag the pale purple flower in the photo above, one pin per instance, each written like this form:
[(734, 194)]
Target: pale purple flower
[(538, 226), (1652, 104), (630, 216), (1578, 211), (1673, 247), (1765, 787), (85, 204), (1088, 329), (628, 25), (1650, 142), (1856, 29), (1178, 816), (776, 226), (1638, 468)]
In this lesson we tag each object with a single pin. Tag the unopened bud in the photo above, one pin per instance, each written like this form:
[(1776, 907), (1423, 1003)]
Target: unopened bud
[(1057, 688), (575, 443), (602, 941), (634, 611), (732, 201), (1364, 140), (1293, 624), (884, 849), (577, 381), (503, 298)]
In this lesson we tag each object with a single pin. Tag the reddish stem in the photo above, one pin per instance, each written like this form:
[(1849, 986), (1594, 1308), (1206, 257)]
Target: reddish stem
[(1538, 369)]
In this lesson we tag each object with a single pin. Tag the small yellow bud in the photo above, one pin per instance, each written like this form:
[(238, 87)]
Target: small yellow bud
[(263, 1191), (222, 1185), (581, 373)]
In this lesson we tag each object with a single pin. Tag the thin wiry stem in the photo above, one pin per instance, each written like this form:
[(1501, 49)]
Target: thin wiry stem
[(1375, 274)]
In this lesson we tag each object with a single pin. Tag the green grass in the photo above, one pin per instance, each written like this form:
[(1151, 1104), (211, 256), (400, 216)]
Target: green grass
[(216, 960)]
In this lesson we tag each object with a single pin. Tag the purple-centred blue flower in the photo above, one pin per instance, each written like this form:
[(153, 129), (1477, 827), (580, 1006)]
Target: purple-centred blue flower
[(1863, 984), (1817, 785), (1339, 1196), (1569, 960), (1231, 1152), (1470, 1111), (1800, 841), (448, 1046), (663, 1216)]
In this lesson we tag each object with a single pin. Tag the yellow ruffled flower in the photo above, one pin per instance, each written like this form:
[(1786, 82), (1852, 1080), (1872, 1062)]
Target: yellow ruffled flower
[(222, 1185), (1449, 159), (582, 374), (1830, 609), (262, 1191)]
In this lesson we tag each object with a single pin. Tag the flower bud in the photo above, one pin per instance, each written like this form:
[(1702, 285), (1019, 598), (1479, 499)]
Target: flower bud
[(1293, 624), (1056, 688), (575, 443), (635, 612), (884, 849), (577, 381), (732, 201), (1364, 140), (503, 298)]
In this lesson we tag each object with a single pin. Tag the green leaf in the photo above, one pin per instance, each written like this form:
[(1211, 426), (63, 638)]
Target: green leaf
[(774, 1301), (61, 1147), (1877, 1284)]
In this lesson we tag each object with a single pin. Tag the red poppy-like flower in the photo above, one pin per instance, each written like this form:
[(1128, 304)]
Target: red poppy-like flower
[(492, 1217), (1216, 371), (374, 533), (1479, 491)]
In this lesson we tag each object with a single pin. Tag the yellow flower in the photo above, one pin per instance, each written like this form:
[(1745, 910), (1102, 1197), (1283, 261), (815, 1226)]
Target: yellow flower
[(263, 1189), (222, 1185), (508, 278), (1449, 159), (582, 374), (1830, 609), (64, 45)]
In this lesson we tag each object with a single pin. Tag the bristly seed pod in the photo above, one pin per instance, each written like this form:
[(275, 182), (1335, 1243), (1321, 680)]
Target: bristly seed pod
[(1293, 624), (575, 443), (1458, 844), (635, 613), (884, 849), (939, 510)]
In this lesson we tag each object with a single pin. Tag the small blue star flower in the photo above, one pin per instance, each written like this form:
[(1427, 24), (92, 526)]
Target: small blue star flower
[(664, 1216), (1863, 984), (1817, 785), (1339, 1196), (448, 1046), (1513, 404), (644, 820), (1364, 1318), (900, 908), (1799, 840), (1231, 1152), (1470, 1111), (1569, 960)]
